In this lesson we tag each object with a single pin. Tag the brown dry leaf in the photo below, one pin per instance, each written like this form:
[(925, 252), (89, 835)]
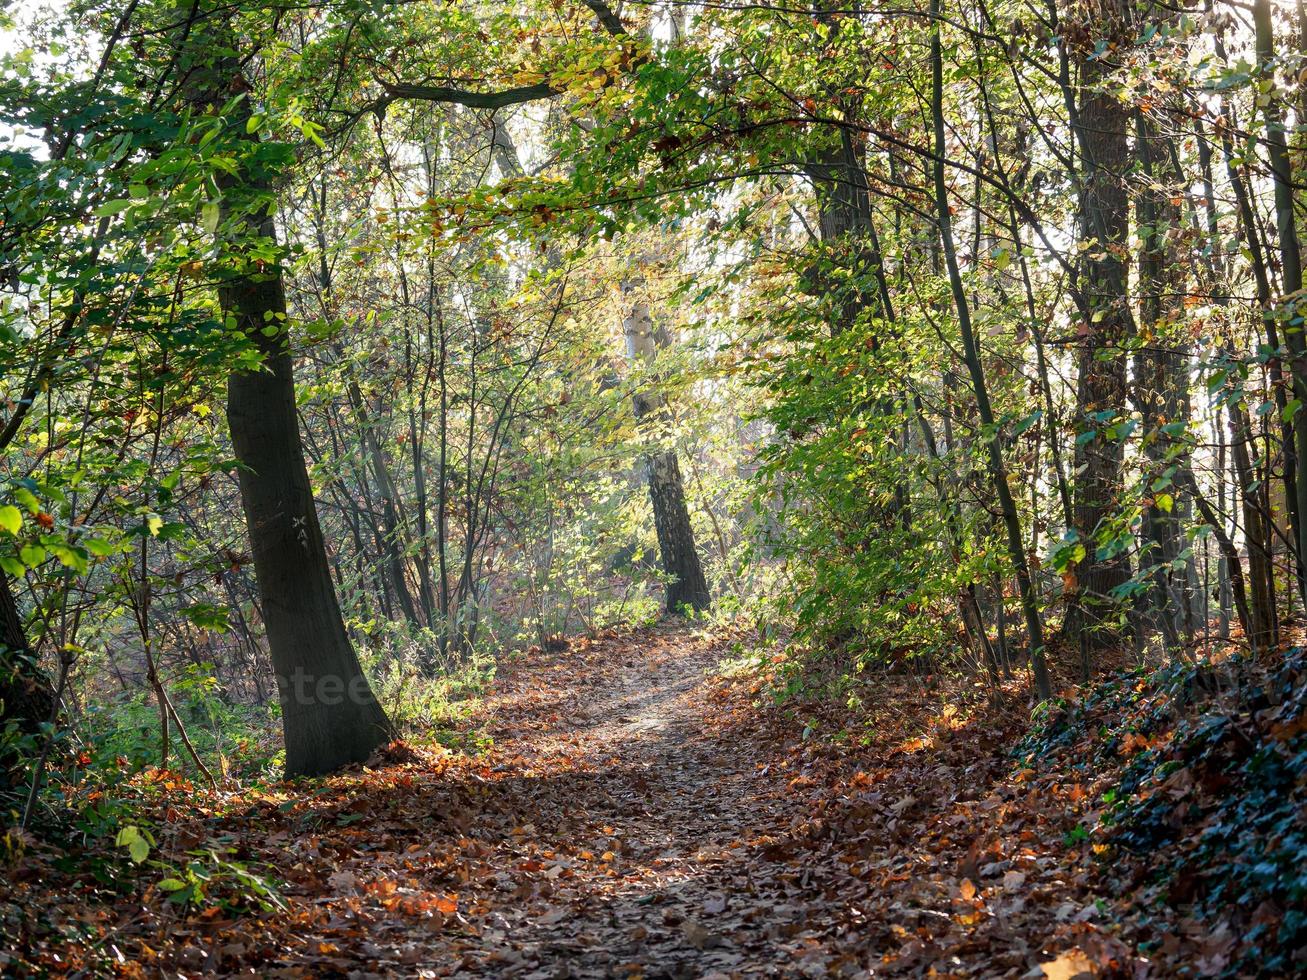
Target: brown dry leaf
[(699, 937), (343, 881), (1071, 965)]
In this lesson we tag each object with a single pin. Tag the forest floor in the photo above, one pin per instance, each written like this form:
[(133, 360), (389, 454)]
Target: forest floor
[(639, 815)]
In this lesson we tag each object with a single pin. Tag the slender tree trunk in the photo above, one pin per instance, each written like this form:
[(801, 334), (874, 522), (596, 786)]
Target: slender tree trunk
[(1225, 595), (391, 526), (1000, 625), (1260, 626), (998, 471), (1277, 152), (686, 586)]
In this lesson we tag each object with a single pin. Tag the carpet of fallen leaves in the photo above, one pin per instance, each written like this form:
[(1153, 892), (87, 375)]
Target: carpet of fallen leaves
[(638, 816)]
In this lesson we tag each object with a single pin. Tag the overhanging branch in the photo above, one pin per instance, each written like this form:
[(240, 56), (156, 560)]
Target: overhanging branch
[(490, 100), (463, 97)]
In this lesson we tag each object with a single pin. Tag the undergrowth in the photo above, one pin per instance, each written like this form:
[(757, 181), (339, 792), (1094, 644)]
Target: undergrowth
[(1201, 807)]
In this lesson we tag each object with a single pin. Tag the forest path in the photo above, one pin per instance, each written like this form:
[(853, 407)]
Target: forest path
[(636, 817), (673, 808)]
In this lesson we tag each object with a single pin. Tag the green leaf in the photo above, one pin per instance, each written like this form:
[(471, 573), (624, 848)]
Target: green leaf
[(1164, 502), (73, 558), (11, 519), (209, 216), (1027, 422), (171, 884), (13, 566), (99, 547), (208, 616), (136, 841), (27, 499), (109, 208)]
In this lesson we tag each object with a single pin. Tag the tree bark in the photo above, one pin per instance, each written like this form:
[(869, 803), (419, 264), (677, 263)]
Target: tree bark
[(686, 586), (1102, 124), (330, 717), (1161, 378), (1260, 626), (1277, 152), (26, 694)]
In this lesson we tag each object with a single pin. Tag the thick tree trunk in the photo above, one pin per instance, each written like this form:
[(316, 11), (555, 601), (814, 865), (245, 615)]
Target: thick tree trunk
[(330, 717), (1103, 136), (1162, 380), (686, 586), (844, 225), (26, 694), (675, 535)]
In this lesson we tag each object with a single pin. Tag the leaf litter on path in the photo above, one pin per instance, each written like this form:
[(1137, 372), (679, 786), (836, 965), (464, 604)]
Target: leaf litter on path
[(637, 817)]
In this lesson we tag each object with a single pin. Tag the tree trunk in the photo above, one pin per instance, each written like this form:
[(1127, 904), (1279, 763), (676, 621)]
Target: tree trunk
[(1162, 379), (330, 717), (26, 694), (843, 221), (686, 586), (1277, 152), (1260, 627), (675, 535), (1103, 136)]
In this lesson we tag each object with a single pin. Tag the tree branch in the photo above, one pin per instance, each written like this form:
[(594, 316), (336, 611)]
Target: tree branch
[(473, 100)]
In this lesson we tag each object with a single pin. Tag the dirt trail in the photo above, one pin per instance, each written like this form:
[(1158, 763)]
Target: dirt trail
[(637, 817), (680, 811), (631, 820)]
